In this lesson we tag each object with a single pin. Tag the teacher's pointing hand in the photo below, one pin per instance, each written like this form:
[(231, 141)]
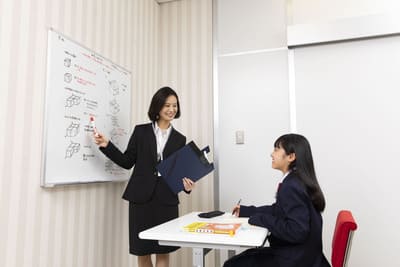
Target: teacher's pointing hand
[(100, 139)]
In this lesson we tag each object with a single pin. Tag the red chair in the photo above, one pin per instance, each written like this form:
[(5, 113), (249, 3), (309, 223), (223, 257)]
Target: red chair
[(341, 243)]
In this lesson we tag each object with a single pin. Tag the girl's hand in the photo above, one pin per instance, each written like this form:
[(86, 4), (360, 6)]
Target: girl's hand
[(188, 184), (236, 210), (100, 139)]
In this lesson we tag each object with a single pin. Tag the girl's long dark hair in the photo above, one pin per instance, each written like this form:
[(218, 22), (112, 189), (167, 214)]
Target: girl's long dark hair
[(303, 165)]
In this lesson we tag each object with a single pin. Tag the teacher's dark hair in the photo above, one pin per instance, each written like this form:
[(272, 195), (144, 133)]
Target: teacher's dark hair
[(303, 165), (158, 101)]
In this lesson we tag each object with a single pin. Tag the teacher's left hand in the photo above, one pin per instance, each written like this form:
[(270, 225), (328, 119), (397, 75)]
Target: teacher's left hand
[(188, 184)]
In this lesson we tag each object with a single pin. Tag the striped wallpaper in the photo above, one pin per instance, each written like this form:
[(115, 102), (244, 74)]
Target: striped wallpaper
[(86, 225), (185, 64), (162, 44)]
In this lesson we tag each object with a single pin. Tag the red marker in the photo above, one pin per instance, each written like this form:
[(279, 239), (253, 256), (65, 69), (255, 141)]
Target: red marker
[(93, 126)]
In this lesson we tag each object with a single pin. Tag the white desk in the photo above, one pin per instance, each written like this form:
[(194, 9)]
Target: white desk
[(171, 233)]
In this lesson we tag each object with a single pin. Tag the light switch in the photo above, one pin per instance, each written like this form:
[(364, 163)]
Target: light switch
[(239, 137)]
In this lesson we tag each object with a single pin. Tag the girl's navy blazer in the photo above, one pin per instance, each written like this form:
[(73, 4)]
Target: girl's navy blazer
[(295, 226)]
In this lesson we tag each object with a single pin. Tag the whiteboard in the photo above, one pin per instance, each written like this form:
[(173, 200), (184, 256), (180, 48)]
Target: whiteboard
[(80, 84)]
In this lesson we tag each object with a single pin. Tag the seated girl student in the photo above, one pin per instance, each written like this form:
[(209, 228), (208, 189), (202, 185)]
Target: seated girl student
[(294, 221)]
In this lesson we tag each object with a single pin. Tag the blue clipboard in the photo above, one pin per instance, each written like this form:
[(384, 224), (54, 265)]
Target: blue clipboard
[(189, 161)]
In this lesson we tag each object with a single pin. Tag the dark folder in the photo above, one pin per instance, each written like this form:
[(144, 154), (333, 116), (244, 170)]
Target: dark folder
[(189, 161)]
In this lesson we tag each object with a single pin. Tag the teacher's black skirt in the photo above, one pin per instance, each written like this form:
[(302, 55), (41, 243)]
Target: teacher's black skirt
[(145, 216)]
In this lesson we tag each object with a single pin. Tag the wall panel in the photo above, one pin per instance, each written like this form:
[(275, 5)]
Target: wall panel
[(346, 96), (316, 11)]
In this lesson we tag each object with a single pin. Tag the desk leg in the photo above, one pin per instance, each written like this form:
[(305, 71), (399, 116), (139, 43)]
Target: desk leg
[(231, 253), (198, 256)]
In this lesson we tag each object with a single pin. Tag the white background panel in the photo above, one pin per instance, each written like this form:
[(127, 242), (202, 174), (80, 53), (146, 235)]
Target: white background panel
[(347, 105), (250, 25), (253, 93)]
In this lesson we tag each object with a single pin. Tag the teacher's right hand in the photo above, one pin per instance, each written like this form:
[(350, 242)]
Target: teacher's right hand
[(100, 139)]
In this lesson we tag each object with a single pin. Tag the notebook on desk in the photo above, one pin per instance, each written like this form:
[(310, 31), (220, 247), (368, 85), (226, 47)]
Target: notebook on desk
[(213, 228)]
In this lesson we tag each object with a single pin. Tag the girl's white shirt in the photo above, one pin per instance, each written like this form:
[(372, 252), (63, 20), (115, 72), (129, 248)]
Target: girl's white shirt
[(284, 176)]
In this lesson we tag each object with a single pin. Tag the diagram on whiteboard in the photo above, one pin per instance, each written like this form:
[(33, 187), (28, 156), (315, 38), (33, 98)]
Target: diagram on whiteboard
[(114, 106), (72, 149), (67, 77), (72, 100), (72, 130), (83, 84), (114, 88)]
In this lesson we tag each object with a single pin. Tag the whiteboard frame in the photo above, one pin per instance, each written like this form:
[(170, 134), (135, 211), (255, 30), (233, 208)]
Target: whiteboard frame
[(43, 182)]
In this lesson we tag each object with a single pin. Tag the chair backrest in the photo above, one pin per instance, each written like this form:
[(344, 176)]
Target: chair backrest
[(341, 242)]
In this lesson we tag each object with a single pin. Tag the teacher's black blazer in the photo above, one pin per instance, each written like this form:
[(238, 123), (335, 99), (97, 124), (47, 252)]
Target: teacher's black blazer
[(141, 152), (294, 224)]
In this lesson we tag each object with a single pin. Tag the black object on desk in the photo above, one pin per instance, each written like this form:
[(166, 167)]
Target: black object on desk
[(210, 214), (189, 161)]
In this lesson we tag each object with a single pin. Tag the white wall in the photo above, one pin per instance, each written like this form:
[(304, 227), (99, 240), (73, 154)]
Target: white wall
[(250, 25), (252, 92), (346, 96), (336, 167), (317, 11), (355, 145)]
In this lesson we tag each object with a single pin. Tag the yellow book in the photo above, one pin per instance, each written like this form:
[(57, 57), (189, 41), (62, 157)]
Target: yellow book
[(213, 228)]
